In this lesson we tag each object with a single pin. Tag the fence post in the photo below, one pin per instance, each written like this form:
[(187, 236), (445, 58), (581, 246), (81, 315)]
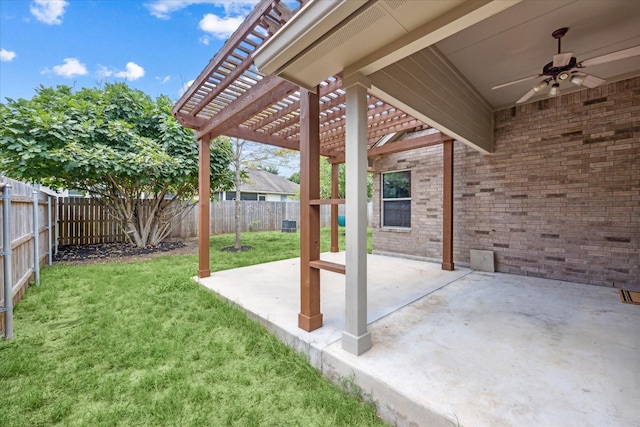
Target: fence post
[(57, 219), (36, 239), (6, 247), (50, 245)]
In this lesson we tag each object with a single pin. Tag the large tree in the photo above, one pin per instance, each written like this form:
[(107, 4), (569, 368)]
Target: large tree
[(114, 143)]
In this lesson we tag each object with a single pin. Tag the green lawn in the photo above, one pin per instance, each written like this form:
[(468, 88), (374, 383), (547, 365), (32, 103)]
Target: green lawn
[(139, 343)]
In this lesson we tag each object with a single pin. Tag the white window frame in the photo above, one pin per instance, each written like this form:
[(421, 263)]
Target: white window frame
[(395, 199)]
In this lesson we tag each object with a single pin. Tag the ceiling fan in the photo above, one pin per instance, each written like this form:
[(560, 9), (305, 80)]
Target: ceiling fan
[(566, 67)]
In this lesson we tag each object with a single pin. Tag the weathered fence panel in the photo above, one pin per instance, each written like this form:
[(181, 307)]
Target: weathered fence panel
[(84, 221), (22, 238)]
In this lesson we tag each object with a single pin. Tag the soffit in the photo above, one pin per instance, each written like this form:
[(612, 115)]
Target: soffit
[(376, 35)]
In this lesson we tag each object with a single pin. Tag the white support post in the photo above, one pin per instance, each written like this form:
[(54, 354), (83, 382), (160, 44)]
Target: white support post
[(356, 338)]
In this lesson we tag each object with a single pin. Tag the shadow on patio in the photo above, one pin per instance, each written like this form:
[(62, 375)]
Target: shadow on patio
[(462, 347)]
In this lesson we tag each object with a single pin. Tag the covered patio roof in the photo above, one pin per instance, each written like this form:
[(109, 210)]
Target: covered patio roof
[(231, 97)]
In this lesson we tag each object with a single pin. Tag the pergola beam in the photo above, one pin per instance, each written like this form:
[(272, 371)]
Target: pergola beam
[(190, 122), (263, 94), (398, 146), (336, 135), (263, 138)]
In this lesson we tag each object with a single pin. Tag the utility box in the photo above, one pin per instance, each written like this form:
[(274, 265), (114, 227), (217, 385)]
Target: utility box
[(289, 226), (482, 260)]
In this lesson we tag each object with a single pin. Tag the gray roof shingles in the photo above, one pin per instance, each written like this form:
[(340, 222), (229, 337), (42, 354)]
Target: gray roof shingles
[(259, 181)]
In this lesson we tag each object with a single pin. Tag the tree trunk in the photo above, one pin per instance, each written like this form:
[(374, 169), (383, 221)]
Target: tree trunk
[(146, 222)]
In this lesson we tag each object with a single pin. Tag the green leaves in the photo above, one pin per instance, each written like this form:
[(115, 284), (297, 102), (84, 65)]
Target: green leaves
[(114, 130), (110, 141)]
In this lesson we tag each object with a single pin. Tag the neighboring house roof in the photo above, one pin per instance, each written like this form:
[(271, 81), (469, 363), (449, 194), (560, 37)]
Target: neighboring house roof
[(259, 181)]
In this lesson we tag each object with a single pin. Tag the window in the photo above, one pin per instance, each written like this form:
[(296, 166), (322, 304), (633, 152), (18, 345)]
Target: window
[(396, 199)]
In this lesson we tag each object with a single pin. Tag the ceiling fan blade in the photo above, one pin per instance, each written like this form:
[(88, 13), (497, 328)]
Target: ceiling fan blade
[(516, 81), (592, 81), (614, 56), (526, 96), (562, 59)]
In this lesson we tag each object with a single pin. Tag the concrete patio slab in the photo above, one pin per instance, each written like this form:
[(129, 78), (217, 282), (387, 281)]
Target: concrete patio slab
[(463, 347)]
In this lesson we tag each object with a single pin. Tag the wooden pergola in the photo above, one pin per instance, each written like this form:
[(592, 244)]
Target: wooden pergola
[(232, 97)]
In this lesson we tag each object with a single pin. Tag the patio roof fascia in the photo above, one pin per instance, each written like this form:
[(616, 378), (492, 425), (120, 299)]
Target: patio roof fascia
[(312, 21)]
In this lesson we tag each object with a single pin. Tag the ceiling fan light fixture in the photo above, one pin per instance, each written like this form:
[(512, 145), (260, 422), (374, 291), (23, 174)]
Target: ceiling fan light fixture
[(555, 90), (540, 86), (577, 79), (563, 75)]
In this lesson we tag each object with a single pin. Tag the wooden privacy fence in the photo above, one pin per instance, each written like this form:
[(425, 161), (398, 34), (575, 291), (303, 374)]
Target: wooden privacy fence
[(27, 237), (84, 221)]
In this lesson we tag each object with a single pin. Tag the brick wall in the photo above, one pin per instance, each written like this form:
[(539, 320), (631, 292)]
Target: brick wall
[(559, 197)]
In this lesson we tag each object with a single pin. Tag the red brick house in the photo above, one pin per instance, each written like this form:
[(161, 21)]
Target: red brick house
[(558, 198)]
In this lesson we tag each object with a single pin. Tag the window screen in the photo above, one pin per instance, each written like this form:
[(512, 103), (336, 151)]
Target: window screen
[(396, 199)]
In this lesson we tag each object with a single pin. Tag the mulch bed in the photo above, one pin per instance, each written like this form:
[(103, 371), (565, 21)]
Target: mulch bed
[(112, 252)]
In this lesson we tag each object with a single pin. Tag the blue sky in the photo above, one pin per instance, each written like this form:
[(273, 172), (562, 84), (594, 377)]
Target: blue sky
[(154, 45)]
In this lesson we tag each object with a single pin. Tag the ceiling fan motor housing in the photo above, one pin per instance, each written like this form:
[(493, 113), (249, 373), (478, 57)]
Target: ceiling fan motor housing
[(551, 71)]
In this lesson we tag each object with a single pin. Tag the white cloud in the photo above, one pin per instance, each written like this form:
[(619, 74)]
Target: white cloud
[(7, 55), (104, 72), (71, 68), (164, 79), (48, 11), (186, 86), (221, 28), (205, 40), (164, 8), (133, 72)]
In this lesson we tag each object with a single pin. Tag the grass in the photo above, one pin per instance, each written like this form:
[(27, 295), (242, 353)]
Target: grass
[(267, 247), (139, 344)]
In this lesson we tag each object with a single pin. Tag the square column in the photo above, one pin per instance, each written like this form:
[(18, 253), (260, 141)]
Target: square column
[(355, 338), (309, 317), (204, 190)]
